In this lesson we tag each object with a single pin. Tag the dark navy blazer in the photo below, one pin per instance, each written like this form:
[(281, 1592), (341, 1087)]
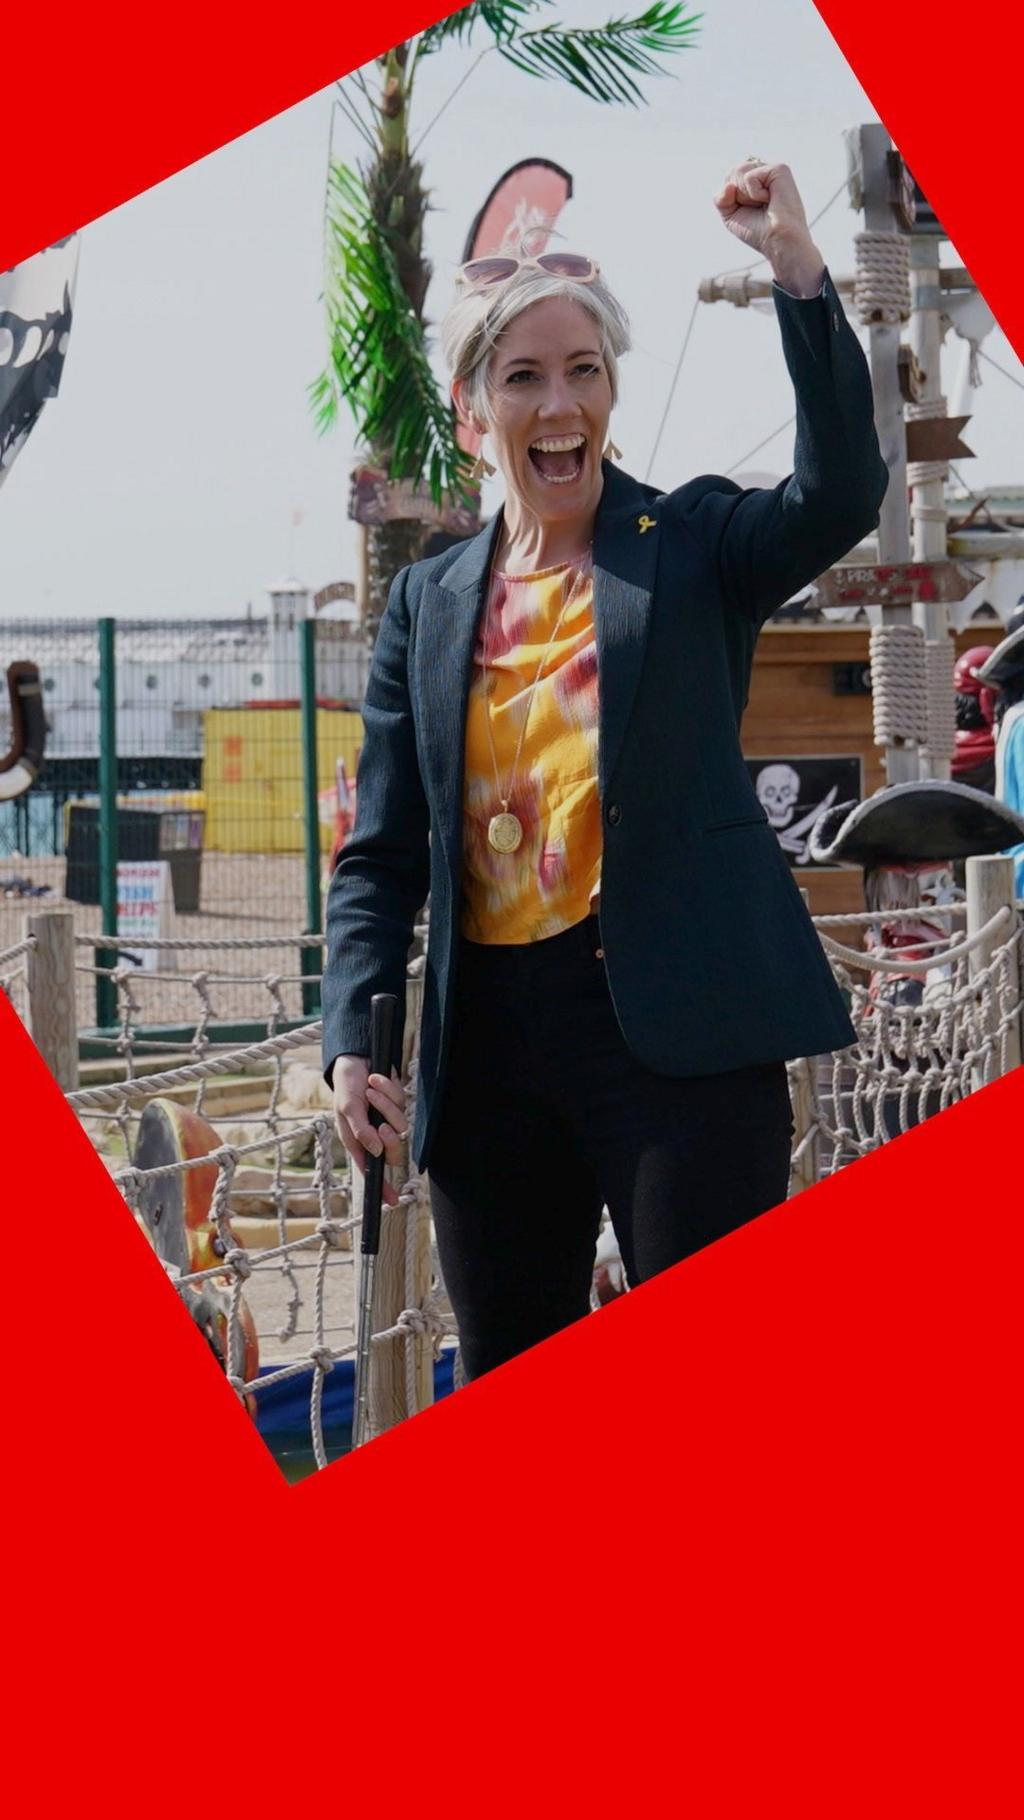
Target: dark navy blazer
[(712, 960)]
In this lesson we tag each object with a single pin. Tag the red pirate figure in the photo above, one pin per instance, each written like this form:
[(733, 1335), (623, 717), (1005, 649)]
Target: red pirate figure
[(974, 760), (907, 838)]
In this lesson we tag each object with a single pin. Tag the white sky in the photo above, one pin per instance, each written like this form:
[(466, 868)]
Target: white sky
[(164, 478)]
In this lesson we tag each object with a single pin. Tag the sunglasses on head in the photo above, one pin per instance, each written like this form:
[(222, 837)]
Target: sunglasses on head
[(499, 266)]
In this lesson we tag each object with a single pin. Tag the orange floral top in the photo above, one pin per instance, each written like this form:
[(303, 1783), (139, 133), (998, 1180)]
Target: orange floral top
[(546, 885)]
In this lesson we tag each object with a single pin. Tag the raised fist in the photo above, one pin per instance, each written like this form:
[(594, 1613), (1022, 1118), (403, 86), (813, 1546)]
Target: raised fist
[(761, 205)]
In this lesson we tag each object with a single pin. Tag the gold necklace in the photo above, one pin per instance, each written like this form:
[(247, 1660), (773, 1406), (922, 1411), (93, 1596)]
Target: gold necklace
[(505, 831)]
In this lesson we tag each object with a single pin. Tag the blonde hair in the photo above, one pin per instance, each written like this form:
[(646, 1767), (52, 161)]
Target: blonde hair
[(477, 318)]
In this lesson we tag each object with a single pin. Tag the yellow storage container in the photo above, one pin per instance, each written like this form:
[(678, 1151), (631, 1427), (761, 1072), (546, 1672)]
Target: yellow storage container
[(252, 775)]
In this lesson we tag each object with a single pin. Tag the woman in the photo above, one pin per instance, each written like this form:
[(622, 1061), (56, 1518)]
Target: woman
[(619, 962)]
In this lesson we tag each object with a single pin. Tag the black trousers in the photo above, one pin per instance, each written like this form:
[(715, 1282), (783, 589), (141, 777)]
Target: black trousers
[(547, 1117)]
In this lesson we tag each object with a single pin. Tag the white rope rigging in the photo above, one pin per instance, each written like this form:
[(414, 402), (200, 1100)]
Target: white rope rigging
[(233, 1062), (839, 918), (10, 974), (881, 291), (12, 954), (899, 685), (897, 962), (940, 658)]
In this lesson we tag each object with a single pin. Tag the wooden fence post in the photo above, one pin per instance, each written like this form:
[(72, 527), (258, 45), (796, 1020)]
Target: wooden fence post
[(396, 1286), (989, 889), (803, 1100), (50, 981)]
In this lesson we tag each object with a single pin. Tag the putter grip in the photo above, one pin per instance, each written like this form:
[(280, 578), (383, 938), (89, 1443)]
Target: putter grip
[(383, 1013)]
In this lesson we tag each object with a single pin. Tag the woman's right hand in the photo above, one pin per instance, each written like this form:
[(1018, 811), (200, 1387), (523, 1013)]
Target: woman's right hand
[(353, 1095)]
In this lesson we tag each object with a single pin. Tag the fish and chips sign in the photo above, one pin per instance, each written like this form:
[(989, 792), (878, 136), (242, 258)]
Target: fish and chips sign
[(375, 500), (144, 912)]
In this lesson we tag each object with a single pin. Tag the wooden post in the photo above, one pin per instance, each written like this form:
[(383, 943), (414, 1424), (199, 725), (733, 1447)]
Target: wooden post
[(50, 978), (808, 1169), (883, 353), (389, 1401), (990, 888), (928, 504), (873, 146), (802, 1096)]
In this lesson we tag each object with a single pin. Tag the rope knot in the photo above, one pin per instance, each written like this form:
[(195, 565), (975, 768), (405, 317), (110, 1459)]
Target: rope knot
[(323, 1358), (239, 1261), (423, 1323), (413, 1320)]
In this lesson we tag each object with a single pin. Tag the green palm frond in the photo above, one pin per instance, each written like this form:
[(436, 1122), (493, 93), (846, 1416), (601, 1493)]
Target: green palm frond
[(378, 362), (502, 18), (598, 60)]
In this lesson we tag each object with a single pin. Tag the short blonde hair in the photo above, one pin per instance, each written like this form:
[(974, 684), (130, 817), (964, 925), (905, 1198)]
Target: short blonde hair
[(478, 317)]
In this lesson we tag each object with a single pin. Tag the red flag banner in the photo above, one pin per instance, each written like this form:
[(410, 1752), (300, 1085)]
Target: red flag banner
[(527, 199)]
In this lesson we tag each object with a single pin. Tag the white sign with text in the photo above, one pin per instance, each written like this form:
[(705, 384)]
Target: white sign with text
[(144, 911)]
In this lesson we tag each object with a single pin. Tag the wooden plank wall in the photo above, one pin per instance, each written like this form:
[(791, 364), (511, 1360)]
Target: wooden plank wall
[(794, 710)]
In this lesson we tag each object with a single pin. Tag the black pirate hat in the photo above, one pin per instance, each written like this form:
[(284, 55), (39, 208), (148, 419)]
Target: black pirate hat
[(912, 823), (1006, 660)]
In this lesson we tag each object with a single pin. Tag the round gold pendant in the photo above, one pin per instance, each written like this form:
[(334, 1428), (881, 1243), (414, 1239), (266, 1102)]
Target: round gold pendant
[(505, 832)]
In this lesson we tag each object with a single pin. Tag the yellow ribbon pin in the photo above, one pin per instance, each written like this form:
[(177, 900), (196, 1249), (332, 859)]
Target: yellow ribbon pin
[(646, 524)]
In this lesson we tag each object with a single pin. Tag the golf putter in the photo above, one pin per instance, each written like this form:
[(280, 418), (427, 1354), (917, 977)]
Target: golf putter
[(383, 1015)]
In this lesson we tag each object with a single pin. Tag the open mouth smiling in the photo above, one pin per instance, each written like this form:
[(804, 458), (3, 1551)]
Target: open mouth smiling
[(559, 459)]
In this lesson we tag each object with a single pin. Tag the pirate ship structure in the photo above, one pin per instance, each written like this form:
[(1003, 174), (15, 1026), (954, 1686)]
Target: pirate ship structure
[(854, 686)]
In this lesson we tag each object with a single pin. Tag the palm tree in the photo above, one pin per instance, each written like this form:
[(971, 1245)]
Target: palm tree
[(377, 272)]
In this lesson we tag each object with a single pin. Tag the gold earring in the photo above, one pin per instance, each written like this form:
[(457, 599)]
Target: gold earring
[(611, 453), (481, 466)]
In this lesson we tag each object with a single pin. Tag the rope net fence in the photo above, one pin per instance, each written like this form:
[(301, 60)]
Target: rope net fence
[(264, 1254), (934, 1023), (174, 995), (273, 1252)]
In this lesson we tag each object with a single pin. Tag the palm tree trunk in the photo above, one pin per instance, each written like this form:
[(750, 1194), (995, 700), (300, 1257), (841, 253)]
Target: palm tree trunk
[(389, 548), (394, 184)]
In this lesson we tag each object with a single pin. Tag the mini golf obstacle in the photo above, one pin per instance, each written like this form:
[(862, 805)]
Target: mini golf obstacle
[(181, 1187), (182, 1206)]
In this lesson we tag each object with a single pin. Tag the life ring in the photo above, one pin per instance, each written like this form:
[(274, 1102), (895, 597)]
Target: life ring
[(21, 764), (174, 1210)]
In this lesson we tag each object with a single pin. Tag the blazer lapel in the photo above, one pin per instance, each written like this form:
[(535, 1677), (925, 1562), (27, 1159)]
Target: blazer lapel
[(626, 540), (445, 635)]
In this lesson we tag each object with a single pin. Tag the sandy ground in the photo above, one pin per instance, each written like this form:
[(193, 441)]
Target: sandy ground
[(242, 895)]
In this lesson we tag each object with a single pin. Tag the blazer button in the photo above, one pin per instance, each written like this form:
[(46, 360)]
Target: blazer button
[(835, 320), (614, 813)]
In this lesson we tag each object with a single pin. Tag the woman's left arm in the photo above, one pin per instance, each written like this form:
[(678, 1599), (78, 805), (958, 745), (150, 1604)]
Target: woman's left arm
[(770, 542)]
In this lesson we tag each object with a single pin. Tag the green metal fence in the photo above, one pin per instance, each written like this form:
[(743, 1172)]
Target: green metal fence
[(206, 749)]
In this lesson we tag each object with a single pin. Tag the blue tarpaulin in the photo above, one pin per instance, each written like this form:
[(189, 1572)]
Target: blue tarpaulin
[(282, 1410)]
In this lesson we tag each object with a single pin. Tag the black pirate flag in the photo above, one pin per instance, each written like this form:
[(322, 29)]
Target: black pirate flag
[(35, 322)]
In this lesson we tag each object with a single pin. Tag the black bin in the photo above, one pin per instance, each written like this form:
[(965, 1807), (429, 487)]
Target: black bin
[(175, 835)]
